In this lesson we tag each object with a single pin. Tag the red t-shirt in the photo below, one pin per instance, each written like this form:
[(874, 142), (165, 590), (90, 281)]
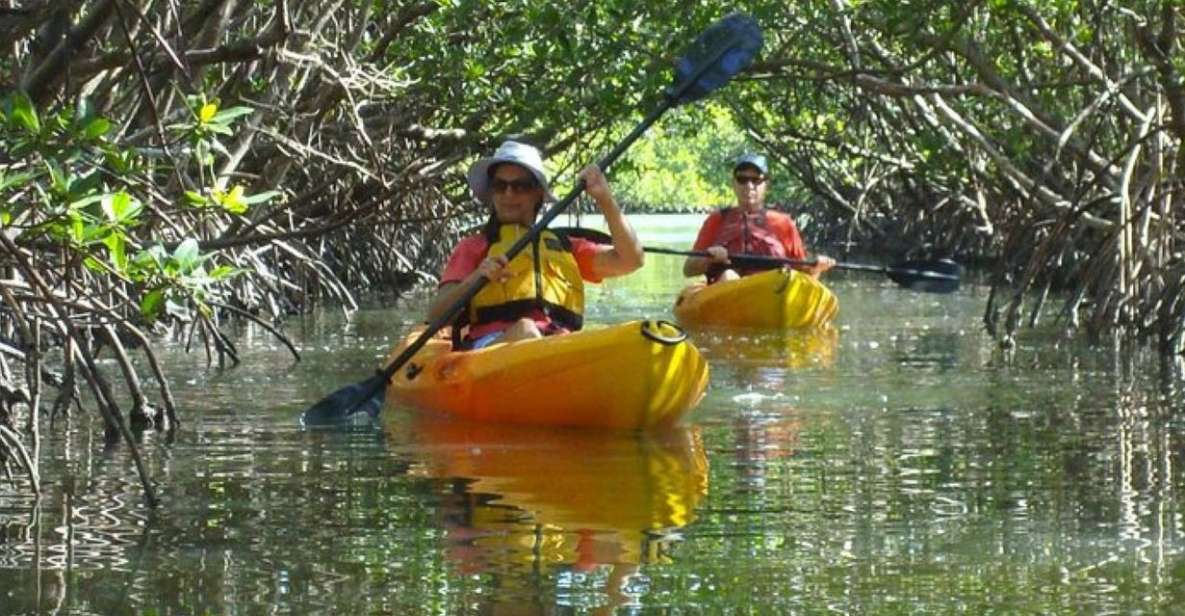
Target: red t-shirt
[(470, 252), (781, 224)]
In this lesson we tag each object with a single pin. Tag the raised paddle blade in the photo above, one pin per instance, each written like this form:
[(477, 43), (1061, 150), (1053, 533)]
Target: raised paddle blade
[(720, 52), (928, 276), (336, 407)]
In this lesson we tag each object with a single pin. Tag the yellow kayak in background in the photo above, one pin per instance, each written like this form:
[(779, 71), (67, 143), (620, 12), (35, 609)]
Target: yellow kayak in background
[(635, 375), (774, 299)]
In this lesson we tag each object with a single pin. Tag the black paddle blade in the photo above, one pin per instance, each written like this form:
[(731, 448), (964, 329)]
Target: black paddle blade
[(338, 406), (720, 52), (928, 276)]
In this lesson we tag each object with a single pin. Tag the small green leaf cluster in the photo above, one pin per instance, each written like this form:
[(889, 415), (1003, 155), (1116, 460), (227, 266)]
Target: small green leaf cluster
[(63, 180), (176, 277), (70, 191), (202, 133)]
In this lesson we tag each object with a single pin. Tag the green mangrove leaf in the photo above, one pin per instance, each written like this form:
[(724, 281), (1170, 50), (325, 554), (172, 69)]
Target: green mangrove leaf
[(151, 259), (187, 255), (226, 116), (97, 128), (223, 272), (121, 207), (195, 198), (262, 197), (117, 246), (152, 304), (7, 182), (25, 114)]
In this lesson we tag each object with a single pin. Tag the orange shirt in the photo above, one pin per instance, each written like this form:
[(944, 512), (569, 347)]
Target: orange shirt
[(782, 225)]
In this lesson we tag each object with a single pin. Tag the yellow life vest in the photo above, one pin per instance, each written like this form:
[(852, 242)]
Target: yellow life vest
[(544, 276)]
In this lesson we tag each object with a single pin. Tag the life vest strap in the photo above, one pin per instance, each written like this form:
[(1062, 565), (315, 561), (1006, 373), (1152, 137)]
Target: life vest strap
[(512, 311)]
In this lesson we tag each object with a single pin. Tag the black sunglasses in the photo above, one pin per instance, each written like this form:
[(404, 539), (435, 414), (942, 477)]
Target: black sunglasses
[(755, 180), (520, 185)]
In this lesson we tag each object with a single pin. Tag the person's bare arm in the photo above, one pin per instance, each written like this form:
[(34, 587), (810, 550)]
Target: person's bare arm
[(626, 254), (698, 266), (822, 264), (450, 293)]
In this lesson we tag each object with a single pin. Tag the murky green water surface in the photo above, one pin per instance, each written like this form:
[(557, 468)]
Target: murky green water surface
[(900, 465)]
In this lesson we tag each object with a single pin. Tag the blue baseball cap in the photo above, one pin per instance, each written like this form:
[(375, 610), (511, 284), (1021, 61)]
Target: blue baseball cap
[(755, 160)]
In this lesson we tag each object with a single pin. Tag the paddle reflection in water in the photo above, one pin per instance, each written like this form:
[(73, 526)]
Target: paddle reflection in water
[(534, 502)]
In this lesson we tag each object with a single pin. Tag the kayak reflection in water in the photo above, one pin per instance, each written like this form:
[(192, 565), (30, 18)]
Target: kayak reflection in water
[(749, 228), (541, 291), (530, 502), (768, 361)]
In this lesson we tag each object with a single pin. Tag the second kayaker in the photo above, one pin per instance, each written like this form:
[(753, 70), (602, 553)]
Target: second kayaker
[(541, 291), (749, 228)]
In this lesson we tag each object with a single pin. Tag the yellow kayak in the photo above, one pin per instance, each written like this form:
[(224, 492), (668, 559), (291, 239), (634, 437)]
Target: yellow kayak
[(636, 375), (545, 497), (774, 299)]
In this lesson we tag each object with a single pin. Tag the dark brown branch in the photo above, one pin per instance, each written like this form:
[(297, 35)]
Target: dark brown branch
[(42, 80)]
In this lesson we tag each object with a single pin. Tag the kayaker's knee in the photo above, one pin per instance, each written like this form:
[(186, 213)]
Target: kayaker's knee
[(728, 274), (522, 329)]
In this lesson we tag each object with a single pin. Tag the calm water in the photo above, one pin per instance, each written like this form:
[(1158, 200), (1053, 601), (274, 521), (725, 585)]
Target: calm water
[(902, 464)]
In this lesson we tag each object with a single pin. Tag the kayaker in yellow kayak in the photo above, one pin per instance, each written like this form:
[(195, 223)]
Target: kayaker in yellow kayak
[(541, 291), (748, 229)]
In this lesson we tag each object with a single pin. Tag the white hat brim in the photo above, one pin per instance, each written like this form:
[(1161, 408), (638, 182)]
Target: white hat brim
[(479, 178)]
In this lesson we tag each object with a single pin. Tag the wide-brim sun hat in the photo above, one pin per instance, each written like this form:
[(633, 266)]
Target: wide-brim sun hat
[(521, 154), (753, 160)]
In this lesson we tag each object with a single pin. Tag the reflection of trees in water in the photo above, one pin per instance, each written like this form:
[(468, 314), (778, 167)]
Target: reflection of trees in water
[(932, 350)]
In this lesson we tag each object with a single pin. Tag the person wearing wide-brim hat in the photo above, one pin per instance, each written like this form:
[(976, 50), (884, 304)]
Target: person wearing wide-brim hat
[(541, 291), (748, 228)]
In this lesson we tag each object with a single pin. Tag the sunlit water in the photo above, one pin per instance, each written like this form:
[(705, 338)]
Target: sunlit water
[(901, 464)]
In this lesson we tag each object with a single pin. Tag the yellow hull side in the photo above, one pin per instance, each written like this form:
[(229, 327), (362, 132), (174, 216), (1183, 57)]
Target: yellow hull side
[(611, 378), (775, 299)]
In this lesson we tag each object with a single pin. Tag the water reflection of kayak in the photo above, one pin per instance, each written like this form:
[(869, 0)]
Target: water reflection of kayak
[(791, 349), (536, 496), (775, 299), (641, 374)]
